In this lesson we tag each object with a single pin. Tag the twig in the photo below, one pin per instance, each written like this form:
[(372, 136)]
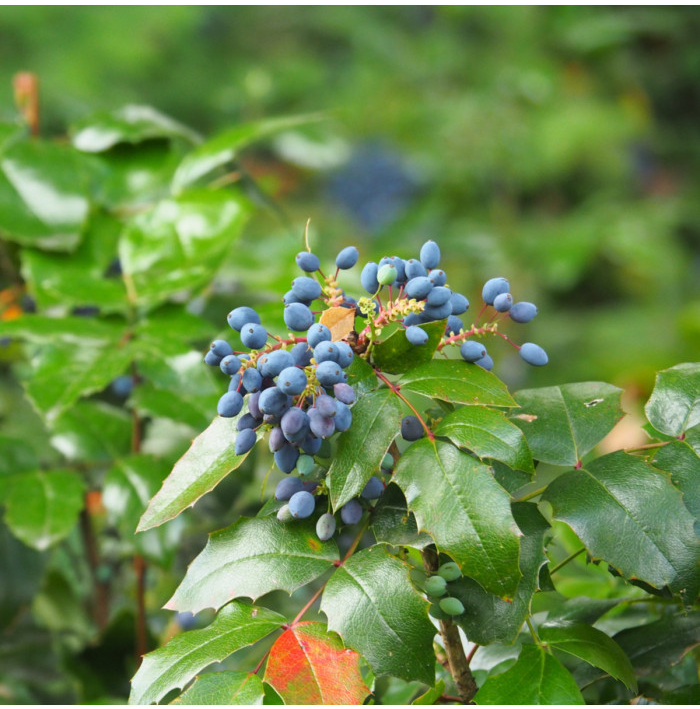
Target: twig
[(141, 635), (398, 393), (569, 558)]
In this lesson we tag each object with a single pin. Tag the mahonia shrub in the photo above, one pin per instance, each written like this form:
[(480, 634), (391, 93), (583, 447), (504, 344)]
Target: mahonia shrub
[(427, 510)]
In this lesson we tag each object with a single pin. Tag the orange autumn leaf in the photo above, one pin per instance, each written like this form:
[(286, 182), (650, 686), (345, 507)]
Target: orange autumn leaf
[(340, 321)]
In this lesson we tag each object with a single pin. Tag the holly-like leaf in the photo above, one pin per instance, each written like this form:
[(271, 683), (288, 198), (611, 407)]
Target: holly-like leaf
[(209, 460), (228, 687), (582, 609), (371, 604), (563, 423), (252, 557), (175, 664), (179, 244), (128, 124), (457, 382), (457, 501), (682, 463), (361, 377), (536, 678), (43, 505), (487, 618), (43, 195), (376, 419), (309, 665), (674, 406), (72, 330), (393, 524), (591, 645), (223, 148), (488, 434), (627, 513), (396, 354)]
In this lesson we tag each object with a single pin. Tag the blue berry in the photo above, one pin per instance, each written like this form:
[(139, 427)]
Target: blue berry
[(347, 258), (430, 254), (241, 316), (306, 288), (286, 458), (221, 348), (246, 421), (454, 325), (343, 417), (307, 261), (329, 373), (523, 311), (292, 380), (298, 317), (317, 334), (416, 335), (245, 440), (254, 335), (302, 354), (534, 354), (325, 405), (295, 424), (414, 268), (418, 287), (288, 487), (368, 277), (289, 298), (494, 287), (272, 401), (277, 439), (272, 363), (412, 319), (230, 404), (122, 386), (459, 304), (373, 489), (321, 426), (253, 408), (485, 362), (471, 350), (212, 359), (302, 504), (311, 445), (230, 365), (326, 352), (411, 428), (439, 296), (438, 277), (438, 312), (351, 512), (345, 354), (252, 380), (502, 302), (345, 393), (325, 526)]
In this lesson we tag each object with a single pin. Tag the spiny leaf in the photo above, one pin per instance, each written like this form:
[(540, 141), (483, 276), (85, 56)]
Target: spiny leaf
[(224, 688), (674, 406)]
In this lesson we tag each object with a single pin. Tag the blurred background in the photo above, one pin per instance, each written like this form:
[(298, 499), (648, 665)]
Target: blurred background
[(556, 146)]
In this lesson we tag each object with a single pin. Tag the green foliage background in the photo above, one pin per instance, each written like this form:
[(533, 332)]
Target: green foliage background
[(555, 146)]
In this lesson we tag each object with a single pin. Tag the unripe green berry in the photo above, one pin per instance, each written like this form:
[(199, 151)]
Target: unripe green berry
[(449, 571), (305, 464), (386, 275), (388, 462), (451, 606), (436, 586), (284, 515)]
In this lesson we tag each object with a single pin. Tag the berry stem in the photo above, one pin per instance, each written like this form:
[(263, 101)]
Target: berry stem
[(398, 393), (569, 558)]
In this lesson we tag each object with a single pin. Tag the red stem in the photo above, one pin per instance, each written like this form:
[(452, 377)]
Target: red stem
[(398, 393)]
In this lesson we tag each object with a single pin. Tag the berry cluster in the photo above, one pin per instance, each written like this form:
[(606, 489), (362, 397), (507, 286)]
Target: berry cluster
[(437, 586)]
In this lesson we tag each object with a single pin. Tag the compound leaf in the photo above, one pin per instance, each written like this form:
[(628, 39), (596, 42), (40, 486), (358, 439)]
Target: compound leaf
[(674, 405), (227, 687), (252, 557), (628, 514), (309, 665), (536, 678), (175, 664), (563, 423), (457, 501), (371, 604), (396, 354), (488, 434), (211, 458), (457, 382), (591, 645), (376, 419)]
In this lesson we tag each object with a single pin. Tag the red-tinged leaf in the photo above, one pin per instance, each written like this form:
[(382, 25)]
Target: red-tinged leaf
[(309, 665)]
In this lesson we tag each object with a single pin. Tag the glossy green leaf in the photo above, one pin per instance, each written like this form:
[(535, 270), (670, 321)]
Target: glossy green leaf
[(457, 382), (224, 147), (487, 618), (582, 609), (175, 664), (536, 678), (488, 434), (682, 463), (208, 461), (72, 330), (653, 647), (393, 524), (432, 695), (376, 420), (252, 557), (361, 377), (457, 501), (563, 423), (93, 430), (371, 604), (15, 457), (227, 687), (180, 243), (43, 195), (61, 374), (129, 124), (591, 645), (42, 506), (165, 333), (674, 406), (627, 513), (396, 354)]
